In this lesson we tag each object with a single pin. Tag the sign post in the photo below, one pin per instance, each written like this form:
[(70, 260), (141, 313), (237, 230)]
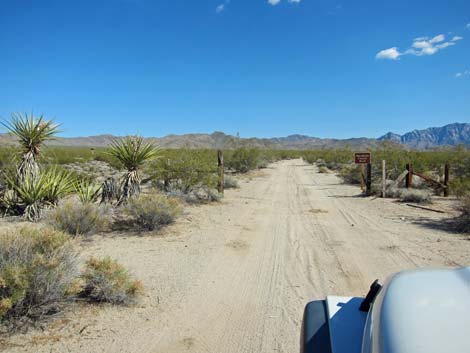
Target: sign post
[(364, 158)]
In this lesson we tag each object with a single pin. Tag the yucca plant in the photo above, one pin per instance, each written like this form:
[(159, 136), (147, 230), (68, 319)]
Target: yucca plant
[(110, 190), (86, 190), (31, 194), (31, 132), (132, 152), (58, 184)]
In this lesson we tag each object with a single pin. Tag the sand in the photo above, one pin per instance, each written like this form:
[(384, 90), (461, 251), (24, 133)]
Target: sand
[(234, 276)]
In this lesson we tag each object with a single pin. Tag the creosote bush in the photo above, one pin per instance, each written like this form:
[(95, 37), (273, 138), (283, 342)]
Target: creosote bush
[(105, 280), (243, 159), (77, 218), (37, 269), (152, 211)]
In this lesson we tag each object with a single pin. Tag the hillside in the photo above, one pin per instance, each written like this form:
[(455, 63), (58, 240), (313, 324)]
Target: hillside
[(449, 135)]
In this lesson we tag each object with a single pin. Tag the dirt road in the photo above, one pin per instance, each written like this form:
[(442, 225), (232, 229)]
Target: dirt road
[(235, 276)]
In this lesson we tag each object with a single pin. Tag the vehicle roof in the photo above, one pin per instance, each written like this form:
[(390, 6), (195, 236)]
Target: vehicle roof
[(423, 311)]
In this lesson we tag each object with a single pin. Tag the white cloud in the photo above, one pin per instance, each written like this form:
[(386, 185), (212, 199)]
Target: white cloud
[(462, 74), (222, 7), (391, 53), (445, 45), (420, 46), (274, 2), (295, 1), (437, 39)]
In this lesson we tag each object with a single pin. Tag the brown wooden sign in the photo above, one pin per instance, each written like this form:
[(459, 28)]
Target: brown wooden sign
[(362, 157)]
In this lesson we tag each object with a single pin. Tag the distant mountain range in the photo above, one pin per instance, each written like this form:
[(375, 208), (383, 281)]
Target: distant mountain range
[(449, 135)]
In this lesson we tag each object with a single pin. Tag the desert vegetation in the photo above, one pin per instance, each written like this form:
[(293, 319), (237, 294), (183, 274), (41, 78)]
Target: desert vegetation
[(430, 163), (37, 268), (65, 194)]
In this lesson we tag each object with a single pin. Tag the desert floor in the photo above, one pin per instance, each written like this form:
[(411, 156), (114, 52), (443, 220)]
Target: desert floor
[(234, 276)]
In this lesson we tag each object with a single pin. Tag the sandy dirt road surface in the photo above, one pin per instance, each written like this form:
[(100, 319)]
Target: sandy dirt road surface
[(235, 276)]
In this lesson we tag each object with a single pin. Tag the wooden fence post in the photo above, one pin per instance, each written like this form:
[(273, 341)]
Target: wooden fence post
[(220, 164), (384, 179), (446, 179), (409, 176), (369, 179)]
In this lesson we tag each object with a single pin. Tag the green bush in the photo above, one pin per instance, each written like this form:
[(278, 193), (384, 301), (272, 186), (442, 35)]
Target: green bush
[(77, 218), (105, 280), (185, 170), (243, 160), (152, 211), (37, 269), (351, 174)]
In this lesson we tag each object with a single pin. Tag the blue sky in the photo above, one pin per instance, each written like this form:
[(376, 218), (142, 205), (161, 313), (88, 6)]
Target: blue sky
[(262, 68)]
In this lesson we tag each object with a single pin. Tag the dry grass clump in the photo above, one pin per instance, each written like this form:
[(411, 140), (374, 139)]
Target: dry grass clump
[(105, 280), (152, 211), (323, 170), (414, 195), (463, 221), (77, 218), (230, 182), (197, 196), (393, 192), (409, 195), (37, 269)]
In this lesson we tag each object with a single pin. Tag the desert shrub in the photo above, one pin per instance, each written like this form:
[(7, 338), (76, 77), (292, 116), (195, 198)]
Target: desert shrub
[(414, 195), (37, 268), (394, 192), (462, 223), (77, 218), (323, 170), (460, 186), (243, 159), (230, 182), (152, 211), (195, 196), (105, 280), (263, 163), (350, 174), (320, 163), (185, 170), (213, 195)]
